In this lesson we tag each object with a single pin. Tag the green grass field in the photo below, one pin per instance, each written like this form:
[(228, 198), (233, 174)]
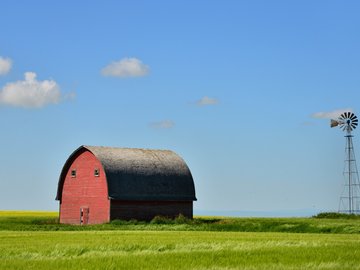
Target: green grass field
[(35, 241)]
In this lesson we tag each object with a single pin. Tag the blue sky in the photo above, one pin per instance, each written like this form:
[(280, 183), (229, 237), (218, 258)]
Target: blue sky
[(242, 90)]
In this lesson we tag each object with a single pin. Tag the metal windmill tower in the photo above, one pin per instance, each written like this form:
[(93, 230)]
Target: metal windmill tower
[(350, 197)]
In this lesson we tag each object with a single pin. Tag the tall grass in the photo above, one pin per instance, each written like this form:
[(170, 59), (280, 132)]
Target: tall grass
[(48, 221), (177, 250)]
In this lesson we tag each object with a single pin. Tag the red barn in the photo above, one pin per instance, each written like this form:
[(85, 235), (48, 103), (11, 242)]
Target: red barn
[(99, 184)]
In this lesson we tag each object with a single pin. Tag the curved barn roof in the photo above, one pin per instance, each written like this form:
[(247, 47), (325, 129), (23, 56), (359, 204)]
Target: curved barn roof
[(139, 174)]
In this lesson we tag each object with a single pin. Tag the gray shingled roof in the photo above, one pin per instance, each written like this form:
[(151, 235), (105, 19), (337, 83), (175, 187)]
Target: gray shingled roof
[(140, 174)]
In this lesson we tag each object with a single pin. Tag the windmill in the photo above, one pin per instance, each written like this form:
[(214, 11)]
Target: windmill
[(350, 198)]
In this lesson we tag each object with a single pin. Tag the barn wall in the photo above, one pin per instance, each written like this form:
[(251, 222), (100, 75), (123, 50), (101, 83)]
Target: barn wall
[(85, 191), (142, 210)]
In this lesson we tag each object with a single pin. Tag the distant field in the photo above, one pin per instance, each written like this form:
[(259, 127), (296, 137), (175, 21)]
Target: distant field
[(44, 214), (37, 242)]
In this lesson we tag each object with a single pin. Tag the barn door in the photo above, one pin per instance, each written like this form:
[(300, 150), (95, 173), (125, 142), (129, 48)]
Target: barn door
[(84, 215)]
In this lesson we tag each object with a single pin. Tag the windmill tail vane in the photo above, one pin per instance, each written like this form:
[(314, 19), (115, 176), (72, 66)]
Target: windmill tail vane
[(334, 123)]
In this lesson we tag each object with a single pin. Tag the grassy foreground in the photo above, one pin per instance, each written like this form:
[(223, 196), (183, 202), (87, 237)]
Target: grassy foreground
[(36, 242), (177, 250)]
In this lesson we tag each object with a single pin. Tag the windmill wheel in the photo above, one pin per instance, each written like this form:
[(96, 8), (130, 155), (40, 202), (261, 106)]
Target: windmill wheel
[(348, 121)]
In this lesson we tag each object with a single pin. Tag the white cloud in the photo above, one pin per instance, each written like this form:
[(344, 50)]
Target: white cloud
[(5, 65), (330, 115), (207, 101), (165, 124), (30, 93), (127, 67)]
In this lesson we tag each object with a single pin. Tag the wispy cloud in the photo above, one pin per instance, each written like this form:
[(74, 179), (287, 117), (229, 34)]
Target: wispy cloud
[(207, 101), (164, 124), (126, 67), (31, 93), (5, 65), (330, 115)]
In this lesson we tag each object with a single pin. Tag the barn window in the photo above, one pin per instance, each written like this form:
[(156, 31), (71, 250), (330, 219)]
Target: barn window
[(73, 173), (97, 172)]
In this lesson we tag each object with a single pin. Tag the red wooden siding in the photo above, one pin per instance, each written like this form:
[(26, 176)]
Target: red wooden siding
[(85, 191), (145, 210)]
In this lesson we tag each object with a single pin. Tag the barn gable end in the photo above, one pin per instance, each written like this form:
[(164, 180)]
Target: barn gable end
[(83, 195)]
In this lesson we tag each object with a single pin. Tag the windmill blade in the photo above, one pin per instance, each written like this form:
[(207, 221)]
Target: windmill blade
[(342, 116), (353, 116), (346, 114)]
